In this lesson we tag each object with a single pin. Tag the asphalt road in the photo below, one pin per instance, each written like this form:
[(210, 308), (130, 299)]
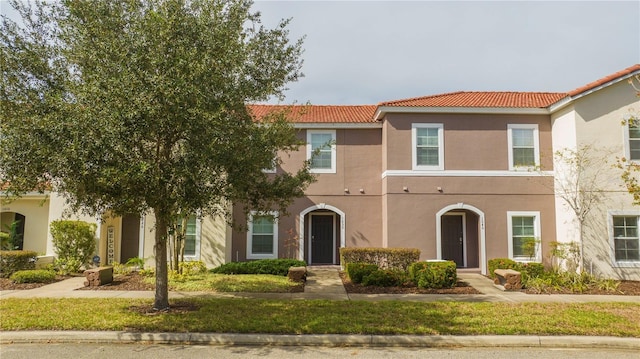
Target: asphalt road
[(154, 351)]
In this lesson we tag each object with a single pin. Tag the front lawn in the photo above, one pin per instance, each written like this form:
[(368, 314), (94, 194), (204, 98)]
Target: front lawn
[(323, 317)]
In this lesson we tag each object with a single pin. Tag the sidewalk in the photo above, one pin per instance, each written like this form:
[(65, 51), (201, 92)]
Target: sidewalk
[(322, 283), (325, 283)]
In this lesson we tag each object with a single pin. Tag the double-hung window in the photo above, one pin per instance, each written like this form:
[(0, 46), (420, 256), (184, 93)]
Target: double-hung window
[(321, 150), (524, 147), (262, 236), (524, 236), (427, 146), (626, 242), (633, 151), (191, 236)]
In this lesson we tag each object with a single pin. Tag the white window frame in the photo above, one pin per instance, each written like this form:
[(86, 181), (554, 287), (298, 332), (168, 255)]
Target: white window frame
[(536, 235), (274, 165), (536, 145), (250, 254), (614, 262), (310, 133), (627, 144), (196, 256), (414, 147)]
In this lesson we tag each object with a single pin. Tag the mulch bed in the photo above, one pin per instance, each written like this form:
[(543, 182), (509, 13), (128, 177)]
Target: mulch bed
[(626, 287), (134, 282), (7, 284), (460, 288)]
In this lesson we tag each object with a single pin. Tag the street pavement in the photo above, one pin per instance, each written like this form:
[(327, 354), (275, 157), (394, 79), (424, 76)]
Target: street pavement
[(322, 283)]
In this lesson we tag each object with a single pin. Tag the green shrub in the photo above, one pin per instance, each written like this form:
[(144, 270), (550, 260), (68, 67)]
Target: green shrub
[(386, 278), (501, 263), (357, 271), (192, 267), (74, 243), (5, 241), (262, 266), (530, 270), (434, 274), (33, 276), (392, 258), (13, 261)]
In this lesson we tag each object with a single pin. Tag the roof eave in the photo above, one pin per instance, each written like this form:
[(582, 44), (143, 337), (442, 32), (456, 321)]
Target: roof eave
[(337, 125), (383, 110)]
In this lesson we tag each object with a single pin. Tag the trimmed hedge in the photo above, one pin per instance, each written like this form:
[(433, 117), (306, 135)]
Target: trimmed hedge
[(357, 271), (384, 258), (434, 274), (33, 276), (386, 278), (261, 266), (13, 261)]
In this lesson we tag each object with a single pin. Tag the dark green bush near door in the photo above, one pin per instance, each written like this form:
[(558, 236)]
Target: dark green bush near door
[(386, 278), (434, 274), (357, 271), (13, 261), (261, 266)]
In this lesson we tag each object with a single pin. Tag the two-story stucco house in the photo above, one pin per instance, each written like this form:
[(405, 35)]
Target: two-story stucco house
[(465, 176), (454, 175)]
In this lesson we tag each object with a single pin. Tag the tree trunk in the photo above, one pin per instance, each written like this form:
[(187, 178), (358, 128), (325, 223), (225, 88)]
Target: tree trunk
[(161, 301)]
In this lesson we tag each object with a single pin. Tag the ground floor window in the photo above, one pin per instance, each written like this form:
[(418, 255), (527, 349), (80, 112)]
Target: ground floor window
[(191, 237), (626, 243), (262, 236), (524, 236)]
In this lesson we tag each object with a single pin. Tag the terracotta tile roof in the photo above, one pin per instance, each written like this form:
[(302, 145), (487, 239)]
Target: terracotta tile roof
[(604, 80), (320, 113), (482, 99)]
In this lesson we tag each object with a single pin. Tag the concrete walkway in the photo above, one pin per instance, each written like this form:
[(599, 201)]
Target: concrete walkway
[(325, 283), (322, 283)]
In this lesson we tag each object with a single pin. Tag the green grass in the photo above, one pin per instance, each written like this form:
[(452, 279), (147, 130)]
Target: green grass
[(263, 283), (325, 317)]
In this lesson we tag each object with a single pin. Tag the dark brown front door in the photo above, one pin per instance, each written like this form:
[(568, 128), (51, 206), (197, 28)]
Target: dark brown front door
[(322, 239), (452, 239), (129, 244)]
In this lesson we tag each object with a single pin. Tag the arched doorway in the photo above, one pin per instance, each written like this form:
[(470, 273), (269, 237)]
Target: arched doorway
[(460, 236), (322, 234)]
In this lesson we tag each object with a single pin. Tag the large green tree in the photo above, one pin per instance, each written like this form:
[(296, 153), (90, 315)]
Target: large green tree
[(140, 106)]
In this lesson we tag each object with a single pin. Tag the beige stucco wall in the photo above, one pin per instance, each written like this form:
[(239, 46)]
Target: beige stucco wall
[(36, 211), (598, 121), (214, 238)]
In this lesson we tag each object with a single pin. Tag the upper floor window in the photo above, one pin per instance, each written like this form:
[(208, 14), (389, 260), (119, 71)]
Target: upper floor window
[(524, 236), (634, 141), (427, 146), (321, 150), (625, 238), (262, 236), (524, 147)]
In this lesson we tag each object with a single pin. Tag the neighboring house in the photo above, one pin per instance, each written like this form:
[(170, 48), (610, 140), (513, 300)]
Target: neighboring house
[(464, 176), (593, 115), (119, 238)]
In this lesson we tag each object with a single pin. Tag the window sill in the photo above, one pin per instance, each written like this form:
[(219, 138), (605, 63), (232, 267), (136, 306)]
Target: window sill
[(635, 264)]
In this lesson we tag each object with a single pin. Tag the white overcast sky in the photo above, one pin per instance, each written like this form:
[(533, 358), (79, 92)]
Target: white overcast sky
[(366, 52)]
